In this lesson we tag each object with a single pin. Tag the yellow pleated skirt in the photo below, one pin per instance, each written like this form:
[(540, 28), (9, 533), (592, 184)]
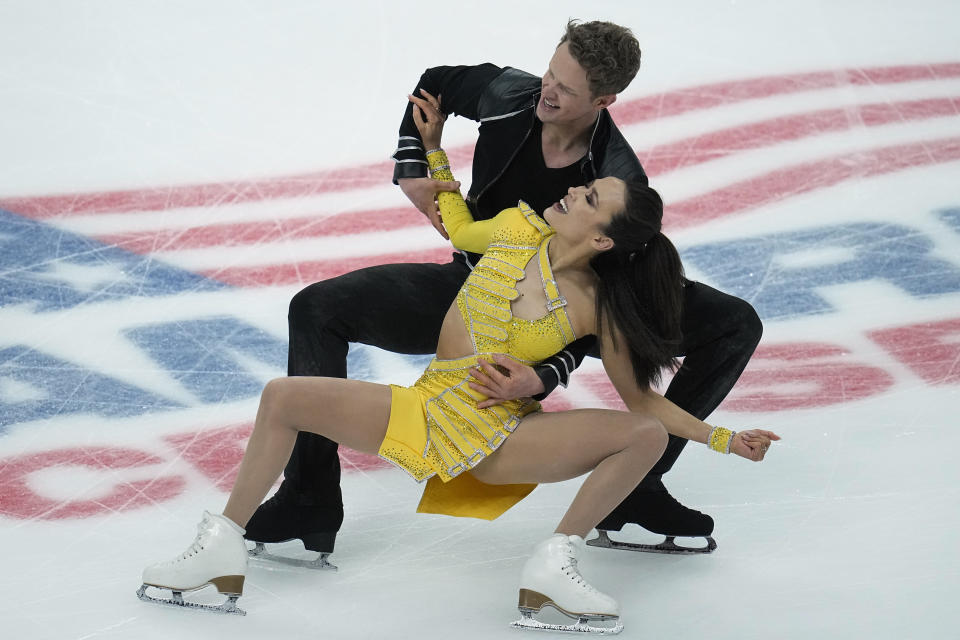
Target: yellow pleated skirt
[(437, 433)]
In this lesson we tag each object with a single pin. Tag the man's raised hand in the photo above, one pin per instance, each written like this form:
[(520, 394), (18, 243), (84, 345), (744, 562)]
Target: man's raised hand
[(422, 192)]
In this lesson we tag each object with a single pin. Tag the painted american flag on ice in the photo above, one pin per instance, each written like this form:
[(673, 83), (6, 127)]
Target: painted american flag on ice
[(172, 298)]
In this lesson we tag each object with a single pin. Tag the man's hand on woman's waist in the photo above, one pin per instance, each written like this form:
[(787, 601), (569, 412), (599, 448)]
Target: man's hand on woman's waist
[(504, 379)]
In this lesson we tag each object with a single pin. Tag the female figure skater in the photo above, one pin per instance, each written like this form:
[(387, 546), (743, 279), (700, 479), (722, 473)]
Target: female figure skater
[(594, 263)]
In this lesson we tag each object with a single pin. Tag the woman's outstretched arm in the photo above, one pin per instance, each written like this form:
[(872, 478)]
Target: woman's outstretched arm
[(751, 444)]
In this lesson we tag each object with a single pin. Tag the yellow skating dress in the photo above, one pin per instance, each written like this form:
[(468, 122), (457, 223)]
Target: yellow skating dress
[(436, 431)]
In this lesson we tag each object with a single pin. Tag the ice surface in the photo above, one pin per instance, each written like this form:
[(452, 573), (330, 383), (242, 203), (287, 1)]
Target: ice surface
[(172, 173)]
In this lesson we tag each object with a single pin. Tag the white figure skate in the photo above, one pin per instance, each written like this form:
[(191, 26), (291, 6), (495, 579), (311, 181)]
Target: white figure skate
[(551, 578), (218, 556)]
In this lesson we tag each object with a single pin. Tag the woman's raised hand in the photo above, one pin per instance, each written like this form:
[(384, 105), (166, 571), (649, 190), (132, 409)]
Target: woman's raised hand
[(752, 444), (428, 118)]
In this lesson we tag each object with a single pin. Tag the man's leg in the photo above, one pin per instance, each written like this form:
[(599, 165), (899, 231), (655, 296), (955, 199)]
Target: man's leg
[(720, 333), (397, 307)]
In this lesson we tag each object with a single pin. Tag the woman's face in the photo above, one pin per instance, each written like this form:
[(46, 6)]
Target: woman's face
[(586, 211)]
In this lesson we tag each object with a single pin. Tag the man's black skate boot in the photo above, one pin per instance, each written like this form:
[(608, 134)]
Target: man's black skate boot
[(289, 516), (652, 507)]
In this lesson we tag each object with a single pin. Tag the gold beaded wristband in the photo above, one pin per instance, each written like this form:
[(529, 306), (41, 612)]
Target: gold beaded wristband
[(720, 439), (439, 165)]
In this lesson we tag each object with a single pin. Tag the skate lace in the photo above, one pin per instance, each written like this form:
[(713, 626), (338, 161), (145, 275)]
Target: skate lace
[(203, 532), (571, 570)]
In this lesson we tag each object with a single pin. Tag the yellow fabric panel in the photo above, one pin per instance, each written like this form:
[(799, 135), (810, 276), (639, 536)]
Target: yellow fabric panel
[(406, 438), (467, 497)]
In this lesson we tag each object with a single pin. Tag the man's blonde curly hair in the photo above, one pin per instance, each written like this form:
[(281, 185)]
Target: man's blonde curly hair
[(609, 53)]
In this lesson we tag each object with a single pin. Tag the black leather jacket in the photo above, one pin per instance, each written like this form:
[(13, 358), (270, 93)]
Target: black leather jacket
[(503, 101)]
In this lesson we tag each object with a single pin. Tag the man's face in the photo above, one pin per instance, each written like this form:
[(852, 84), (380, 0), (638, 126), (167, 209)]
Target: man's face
[(565, 95)]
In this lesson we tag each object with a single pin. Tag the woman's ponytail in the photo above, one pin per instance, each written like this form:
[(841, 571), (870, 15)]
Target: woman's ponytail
[(640, 286)]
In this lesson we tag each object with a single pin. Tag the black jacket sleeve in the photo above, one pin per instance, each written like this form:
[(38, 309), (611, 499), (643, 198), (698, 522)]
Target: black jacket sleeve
[(556, 369), (460, 89)]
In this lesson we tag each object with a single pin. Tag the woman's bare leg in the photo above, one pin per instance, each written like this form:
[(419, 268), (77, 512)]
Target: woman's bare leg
[(619, 447), (351, 412)]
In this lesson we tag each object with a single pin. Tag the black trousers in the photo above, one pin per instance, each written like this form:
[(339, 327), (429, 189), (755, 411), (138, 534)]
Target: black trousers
[(400, 308)]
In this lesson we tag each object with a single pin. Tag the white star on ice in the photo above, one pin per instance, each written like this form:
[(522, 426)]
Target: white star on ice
[(82, 277), (13, 391)]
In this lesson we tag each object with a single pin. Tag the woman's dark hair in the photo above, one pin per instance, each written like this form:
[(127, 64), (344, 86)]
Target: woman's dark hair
[(640, 285)]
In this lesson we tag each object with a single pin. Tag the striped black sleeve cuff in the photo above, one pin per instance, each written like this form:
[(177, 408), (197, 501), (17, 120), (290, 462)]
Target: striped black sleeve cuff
[(409, 158), (555, 371)]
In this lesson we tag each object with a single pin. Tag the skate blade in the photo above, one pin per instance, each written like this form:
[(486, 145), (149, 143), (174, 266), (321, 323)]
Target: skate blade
[(667, 546), (320, 563), (228, 607), (582, 625)]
